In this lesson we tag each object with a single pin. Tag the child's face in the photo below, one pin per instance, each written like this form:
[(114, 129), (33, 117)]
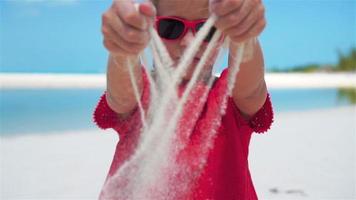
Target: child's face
[(190, 10)]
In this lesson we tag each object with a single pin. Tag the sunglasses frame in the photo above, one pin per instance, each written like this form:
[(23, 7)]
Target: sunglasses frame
[(188, 24)]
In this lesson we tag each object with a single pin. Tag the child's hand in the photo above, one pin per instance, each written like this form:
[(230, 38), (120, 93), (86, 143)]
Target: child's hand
[(240, 20), (125, 27)]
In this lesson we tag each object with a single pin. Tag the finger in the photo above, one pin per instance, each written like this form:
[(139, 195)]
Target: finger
[(253, 32), (130, 47), (127, 32), (127, 11), (223, 7), (148, 9), (113, 48), (251, 19), (116, 49), (235, 16)]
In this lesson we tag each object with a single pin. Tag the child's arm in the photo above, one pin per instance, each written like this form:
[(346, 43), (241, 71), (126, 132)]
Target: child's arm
[(250, 90), (242, 20), (119, 93), (125, 31)]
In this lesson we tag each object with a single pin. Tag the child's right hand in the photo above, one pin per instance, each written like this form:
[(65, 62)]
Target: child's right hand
[(125, 27)]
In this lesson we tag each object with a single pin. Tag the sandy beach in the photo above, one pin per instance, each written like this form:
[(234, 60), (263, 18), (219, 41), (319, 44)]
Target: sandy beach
[(306, 155), (273, 80)]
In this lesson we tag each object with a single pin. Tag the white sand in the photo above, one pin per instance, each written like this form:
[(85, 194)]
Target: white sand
[(61, 166), (309, 154), (310, 80), (51, 80), (274, 80)]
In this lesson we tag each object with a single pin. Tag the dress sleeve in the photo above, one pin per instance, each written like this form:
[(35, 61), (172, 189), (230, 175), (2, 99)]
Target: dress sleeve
[(263, 119), (259, 122), (105, 117)]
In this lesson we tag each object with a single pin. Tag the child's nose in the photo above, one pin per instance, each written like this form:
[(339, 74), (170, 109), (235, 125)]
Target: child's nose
[(187, 38)]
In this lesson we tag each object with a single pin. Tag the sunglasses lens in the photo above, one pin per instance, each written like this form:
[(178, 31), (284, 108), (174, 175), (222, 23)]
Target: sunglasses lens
[(210, 34), (170, 28)]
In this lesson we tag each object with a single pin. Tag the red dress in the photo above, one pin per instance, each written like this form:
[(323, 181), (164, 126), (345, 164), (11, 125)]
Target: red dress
[(226, 175)]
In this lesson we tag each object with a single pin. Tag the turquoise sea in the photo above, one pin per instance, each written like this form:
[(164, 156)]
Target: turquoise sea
[(46, 111)]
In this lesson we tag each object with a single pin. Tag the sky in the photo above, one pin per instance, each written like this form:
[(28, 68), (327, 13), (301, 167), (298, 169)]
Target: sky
[(63, 36)]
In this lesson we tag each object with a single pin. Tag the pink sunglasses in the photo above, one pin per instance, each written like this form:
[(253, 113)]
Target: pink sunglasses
[(174, 28)]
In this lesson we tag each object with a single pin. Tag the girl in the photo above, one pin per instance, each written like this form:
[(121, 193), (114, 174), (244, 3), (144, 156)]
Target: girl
[(125, 28)]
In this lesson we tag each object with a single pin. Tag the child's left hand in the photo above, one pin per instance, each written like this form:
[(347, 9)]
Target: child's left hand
[(240, 20)]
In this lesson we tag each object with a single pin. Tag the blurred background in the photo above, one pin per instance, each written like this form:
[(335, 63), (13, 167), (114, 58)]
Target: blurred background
[(61, 37)]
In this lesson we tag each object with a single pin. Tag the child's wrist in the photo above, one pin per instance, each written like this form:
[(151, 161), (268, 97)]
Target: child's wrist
[(249, 49), (121, 60)]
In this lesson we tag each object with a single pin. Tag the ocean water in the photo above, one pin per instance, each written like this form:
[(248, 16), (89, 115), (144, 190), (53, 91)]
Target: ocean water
[(45, 111), (51, 111)]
